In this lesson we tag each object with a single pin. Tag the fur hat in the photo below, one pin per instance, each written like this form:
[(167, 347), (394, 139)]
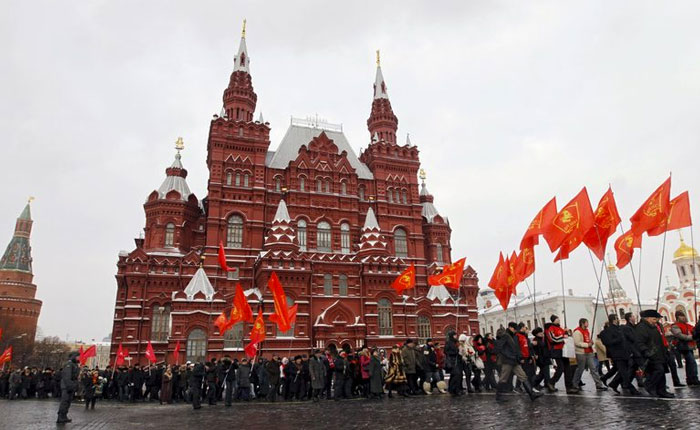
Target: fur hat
[(553, 318), (513, 325), (650, 313)]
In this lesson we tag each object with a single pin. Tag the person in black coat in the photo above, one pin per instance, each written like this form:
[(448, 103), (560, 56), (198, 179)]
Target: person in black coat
[(272, 368), (210, 378), (453, 364), (542, 360), (69, 382), (650, 343), (228, 379), (511, 362), (618, 349), (196, 378), (376, 378)]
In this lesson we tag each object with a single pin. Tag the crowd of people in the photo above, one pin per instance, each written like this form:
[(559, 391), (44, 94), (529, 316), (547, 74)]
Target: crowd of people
[(641, 352)]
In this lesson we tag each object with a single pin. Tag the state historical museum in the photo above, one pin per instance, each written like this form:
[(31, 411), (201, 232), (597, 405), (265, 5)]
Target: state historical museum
[(336, 228)]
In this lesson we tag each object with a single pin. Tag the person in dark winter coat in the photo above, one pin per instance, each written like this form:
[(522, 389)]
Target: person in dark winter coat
[(293, 373), (69, 382), (243, 377), (210, 378), (90, 382), (196, 378), (408, 353), (556, 336), (376, 385), (618, 349), (453, 364), (228, 376), (650, 343), (511, 362), (341, 378), (272, 368), (542, 360), (317, 373), (136, 379)]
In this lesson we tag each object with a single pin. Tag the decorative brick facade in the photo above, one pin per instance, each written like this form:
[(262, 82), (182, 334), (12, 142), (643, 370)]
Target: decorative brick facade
[(307, 212)]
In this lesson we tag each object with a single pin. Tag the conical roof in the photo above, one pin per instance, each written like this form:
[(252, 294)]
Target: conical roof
[(199, 284), (175, 180), (18, 254)]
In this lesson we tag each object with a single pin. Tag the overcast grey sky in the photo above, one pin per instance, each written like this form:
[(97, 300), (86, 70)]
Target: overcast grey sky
[(510, 103)]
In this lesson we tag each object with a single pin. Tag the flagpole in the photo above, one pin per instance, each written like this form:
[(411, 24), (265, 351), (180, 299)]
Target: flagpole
[(563, 294), (600, 294), (534, 297), (639, 271), (663, 254), (634, 279), (612, 295), (695, 268)]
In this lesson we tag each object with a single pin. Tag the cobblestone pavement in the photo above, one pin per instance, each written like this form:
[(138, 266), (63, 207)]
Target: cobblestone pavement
[(558, 411)]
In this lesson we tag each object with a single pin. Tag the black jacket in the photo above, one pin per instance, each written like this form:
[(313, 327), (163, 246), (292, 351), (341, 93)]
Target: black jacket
[(69, 376), (508, 349), (649, 342), (272, 368), (615, 342)]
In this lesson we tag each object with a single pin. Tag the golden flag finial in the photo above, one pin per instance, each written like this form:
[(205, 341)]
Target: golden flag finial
[(421, 174), (377, 57), (243, 32), (179, 144), (30, 199)]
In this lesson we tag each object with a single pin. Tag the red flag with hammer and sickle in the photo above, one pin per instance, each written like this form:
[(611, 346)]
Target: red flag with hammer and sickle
[(406, 280)]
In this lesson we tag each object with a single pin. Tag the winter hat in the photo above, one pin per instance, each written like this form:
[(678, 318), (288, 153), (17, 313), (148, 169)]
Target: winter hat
[(536, 331), (463, 337), (553, 318), (680, 314), (513, 325), (650, 313)]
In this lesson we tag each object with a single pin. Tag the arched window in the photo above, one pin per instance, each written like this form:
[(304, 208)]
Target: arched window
[(438, 251), (622, 314), (228, 178), (301, 183), (278, 184), (396, 196), (238, 179), (682, 270), (246, 180), (361, 192), (343, 188), (319, 186), (323, 237), (234, 235), (343, 286), (301, 234), (160, 323), (169, 235), (424, 330), (290, 332), (196, 346), (327, 284), (400, 244), (345, 238), (384, 316), (233, 339), (328, 186), (390, 196), (404, 199)]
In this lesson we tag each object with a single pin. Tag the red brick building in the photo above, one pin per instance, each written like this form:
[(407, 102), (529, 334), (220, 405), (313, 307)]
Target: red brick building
[(19, 309), (337, 229)]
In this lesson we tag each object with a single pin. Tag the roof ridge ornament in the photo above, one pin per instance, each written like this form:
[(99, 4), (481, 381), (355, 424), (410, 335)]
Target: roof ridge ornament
[(179, 145), (378, 62), (243, 31)]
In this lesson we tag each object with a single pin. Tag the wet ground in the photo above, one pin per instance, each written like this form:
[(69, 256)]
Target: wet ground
[(558, 411)]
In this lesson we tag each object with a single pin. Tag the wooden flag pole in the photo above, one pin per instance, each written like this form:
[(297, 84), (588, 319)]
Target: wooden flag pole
[(534, 297), (658, 290), (563, 294), (695, 283), (634, 279)]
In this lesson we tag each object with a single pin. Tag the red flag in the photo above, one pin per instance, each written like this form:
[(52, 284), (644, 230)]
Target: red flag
[(406, 280), (605, 221), (451, 275), (6, 356), (624, 247), (150, 353), (499, 282), (257, 333), (653, 213), (282, 316), (119, 359), (512, 279), (0, 333), (539, 224), (251, 350), (176, 352), (221, 322), (570, 225), (241, 310), (222, 259), (525, 264), (84, 355), (678, 215)]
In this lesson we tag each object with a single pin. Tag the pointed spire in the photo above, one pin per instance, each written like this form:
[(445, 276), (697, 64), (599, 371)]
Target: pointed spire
[(379, 83), (18, 255), (261, 120), (408, 140), (370, 220), (241, 61), (222, 114), (200, 283), (282, 213), (175, 176)]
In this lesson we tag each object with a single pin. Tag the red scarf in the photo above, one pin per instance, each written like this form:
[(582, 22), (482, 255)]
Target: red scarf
[(663, 336)]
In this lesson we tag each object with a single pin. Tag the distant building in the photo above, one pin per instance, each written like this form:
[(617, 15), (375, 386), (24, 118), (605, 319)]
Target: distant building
[(682, 297), (19, 309)]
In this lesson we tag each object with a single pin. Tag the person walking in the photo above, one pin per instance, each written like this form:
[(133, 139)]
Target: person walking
[(317, 372), (166, 386), (196, 378), (395, 376), (618, 349), (69, 382), (585, 356), (453, 364), (90, 381), (685, 345), (556, 337), (272, 368), (376, 386), (650, 343), (511, 360)]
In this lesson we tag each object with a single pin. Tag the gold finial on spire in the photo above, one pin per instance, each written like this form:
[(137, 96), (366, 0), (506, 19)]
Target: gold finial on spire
[(30, 199), (421, 175), (377, 57), (179, 144), (243, 32)]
